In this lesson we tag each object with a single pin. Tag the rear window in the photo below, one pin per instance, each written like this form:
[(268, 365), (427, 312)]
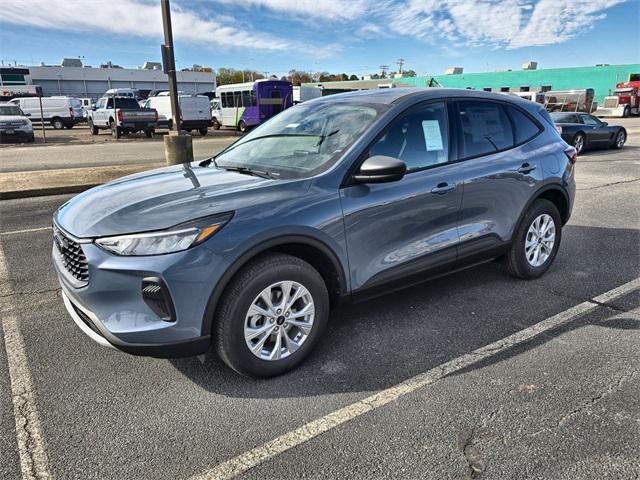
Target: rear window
[(525, 128), (486, 128), (123, 102), (565, 117)]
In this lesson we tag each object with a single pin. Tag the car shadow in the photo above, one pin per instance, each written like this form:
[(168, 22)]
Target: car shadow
[(607, 152), (373, 345)]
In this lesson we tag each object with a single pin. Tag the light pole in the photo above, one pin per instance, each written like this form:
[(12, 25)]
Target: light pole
[(178, 147)]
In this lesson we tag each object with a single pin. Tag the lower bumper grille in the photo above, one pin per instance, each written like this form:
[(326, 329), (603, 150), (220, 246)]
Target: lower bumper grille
[(85, 319)]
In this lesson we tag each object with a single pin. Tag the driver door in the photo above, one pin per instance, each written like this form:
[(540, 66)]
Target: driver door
[(597, 134), (397, 229)]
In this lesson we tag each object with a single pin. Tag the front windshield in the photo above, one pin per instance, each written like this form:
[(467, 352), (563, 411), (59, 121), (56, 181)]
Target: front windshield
[(303, 140), (10, 110)]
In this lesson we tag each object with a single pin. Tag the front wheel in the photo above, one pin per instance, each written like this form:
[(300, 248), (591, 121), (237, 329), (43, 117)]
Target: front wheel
[(203, 131), (271, 316), (92, 128), (57, 124), (216, 124), (578, 142), (626, 112), (536, 242), (619, 140)]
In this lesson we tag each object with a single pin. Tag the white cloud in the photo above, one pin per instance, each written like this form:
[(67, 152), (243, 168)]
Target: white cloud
[(133, 18), (312, 9), (504, 23)]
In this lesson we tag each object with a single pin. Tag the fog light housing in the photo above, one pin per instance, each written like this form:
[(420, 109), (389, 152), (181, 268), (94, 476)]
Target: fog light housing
[(156, 295)]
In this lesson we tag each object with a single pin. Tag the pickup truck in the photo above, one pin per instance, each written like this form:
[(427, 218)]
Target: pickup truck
[(128, 117)]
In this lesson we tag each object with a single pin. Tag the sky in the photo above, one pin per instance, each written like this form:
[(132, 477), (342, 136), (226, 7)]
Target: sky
[(338, 36)]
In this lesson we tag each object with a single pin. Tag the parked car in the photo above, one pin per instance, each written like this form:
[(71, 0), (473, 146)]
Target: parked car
[(195, 112), (14, 124), (338, 198), (60, 112), (128, 117), (87, 105), (585, 131)]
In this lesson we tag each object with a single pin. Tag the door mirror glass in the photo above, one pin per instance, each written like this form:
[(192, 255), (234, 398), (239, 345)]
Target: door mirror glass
[(380, 169), (605, 123), (93, 107)]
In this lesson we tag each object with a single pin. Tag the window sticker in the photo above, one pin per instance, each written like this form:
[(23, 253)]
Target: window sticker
[(432, 135)]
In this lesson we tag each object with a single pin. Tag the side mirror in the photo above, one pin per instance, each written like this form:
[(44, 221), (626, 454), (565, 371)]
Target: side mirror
[(27, 114), (93, 107), (605, 123), (380, 169)]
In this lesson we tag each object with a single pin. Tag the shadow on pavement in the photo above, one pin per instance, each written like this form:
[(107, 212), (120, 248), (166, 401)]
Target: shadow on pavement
[(376, 344)]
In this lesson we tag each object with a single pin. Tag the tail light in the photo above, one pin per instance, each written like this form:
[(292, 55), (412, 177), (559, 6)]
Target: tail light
[(572, 154), (71, 112), (120, 115)]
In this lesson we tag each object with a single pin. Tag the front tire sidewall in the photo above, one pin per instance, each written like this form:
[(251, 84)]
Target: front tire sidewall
[(517, 259), (231, 342)]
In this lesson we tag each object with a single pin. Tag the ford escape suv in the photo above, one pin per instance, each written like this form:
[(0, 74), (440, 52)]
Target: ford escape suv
[(337, 198)]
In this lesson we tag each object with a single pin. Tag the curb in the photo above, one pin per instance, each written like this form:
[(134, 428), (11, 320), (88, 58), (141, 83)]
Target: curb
[(42, 192)]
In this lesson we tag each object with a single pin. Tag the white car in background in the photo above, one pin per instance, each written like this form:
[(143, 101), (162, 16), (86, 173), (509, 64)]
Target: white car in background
[(14, 124), (195, 112), (60, 112)]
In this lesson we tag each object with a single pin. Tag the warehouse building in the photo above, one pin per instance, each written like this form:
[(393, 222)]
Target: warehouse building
[(90, 82), (602, 79)]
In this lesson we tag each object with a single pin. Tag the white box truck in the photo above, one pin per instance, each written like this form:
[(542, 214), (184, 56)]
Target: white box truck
[(303, 93), (195, 112)]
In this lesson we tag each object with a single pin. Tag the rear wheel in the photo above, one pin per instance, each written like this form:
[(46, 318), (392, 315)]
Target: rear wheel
[(115, 130), (242, 126), (149, 132), (203, 131), (57, 123), (536, 241), (578, 142), (619, 140), (271, 316)]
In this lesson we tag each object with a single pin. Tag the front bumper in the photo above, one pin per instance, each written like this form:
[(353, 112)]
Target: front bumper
[(111, 310), (16, 134)]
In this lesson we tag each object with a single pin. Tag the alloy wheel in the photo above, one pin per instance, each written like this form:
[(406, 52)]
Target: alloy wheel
[(540, 239), (279, 320), (578, 143), (620, 139)]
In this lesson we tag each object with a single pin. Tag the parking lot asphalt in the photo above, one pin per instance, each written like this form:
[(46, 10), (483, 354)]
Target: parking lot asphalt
[(560, 404)]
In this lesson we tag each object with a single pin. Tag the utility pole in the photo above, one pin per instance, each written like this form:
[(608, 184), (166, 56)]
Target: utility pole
[(384, 69), (178, 147), (400, 63)]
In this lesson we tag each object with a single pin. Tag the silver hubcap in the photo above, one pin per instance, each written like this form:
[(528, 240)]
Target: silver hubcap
[(578, 143), (621, 139), (279, 320), (540, 239)]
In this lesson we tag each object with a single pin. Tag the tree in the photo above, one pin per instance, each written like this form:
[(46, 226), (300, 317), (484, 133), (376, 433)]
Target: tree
[(225, 76), (354, 77), (409, 73)]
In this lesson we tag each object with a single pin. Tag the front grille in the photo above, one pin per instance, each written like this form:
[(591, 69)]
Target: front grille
[(72, 256)]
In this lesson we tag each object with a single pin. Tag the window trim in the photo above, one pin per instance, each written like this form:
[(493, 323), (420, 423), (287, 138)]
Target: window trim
[(347, 181), (503, 104)]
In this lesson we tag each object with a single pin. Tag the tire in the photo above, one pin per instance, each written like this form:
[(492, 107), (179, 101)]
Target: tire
[(203, 131), (92, 128), (619, 140), (579, 142), (517, 262), (57, 123), (242, 126), (31, 138), (69, 127), (264, 273), (115, 130), (626, 112), (149, 132), (215, 124)]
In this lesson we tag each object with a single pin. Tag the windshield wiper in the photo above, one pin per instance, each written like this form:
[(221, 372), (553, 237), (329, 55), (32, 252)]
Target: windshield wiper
[(324, 137), (249, 171)]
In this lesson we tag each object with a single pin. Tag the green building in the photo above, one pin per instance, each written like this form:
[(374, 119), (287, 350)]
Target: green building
[(602, 79)]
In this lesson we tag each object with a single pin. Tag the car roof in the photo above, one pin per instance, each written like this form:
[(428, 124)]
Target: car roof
[(397, 95)]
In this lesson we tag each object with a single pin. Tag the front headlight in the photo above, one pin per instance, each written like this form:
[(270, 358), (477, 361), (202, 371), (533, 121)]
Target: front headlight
[(167, 241)]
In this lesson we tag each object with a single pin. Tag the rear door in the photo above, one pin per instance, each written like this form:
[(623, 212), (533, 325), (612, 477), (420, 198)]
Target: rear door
[(396, 229), (501, 171)]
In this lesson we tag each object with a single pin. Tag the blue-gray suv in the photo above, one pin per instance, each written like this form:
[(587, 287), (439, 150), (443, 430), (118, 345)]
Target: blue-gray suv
[(338, 198)]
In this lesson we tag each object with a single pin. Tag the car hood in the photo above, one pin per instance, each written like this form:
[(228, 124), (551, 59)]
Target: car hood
[(159, 199)]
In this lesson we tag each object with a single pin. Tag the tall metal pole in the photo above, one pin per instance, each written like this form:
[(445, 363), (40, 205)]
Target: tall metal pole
[(170, 64)]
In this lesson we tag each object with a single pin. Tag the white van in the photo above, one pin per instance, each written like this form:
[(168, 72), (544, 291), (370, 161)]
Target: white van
[(194, 109), (121, 92), (61, 112)]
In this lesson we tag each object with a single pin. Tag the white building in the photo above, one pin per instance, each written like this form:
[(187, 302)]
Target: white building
[(93, 82)]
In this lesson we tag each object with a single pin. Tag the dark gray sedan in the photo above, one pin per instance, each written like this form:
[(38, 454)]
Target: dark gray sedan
[(584, 131)]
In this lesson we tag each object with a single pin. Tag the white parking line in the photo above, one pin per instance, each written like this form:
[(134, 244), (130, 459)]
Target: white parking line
[(28, 230), (287, 441), (33, 457)]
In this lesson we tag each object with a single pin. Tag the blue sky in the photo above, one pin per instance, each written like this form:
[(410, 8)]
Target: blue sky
[(351, 36)]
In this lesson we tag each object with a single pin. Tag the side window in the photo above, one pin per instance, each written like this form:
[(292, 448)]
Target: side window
[(252, 95), (237, 99), (246, 98), (420, 138), (485, 128), (524, 127), (589, 120)]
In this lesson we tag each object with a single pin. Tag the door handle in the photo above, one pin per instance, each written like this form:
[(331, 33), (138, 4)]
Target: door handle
[(526, 168), (443, 188)]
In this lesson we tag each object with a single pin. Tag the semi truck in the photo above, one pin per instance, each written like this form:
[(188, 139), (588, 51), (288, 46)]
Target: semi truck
[(625, 100)]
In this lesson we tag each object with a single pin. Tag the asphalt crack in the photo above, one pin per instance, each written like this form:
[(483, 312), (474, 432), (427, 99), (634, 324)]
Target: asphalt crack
[(609, 184), (46, 291), (468, 441)]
